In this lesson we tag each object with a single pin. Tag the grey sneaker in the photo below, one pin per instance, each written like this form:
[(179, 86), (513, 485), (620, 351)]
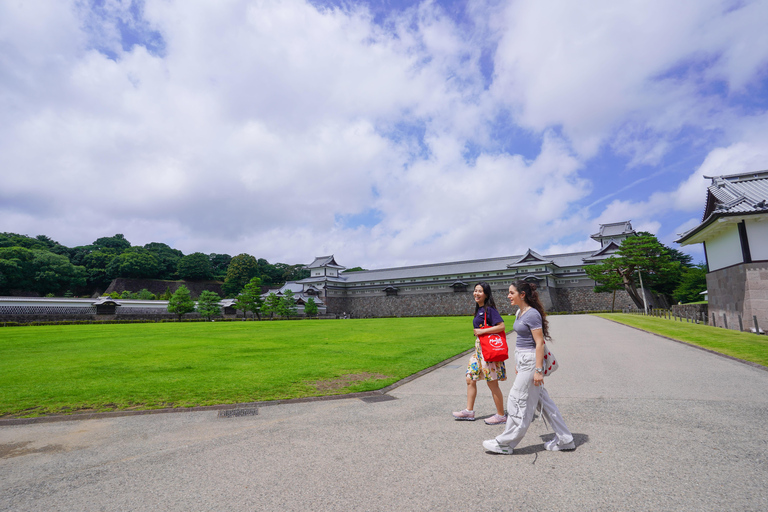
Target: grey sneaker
[(493, 445), (465, 415), (555, 446)]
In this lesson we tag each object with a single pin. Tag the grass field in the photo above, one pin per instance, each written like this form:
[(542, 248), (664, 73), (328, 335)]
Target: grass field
[(63, 369), (742, 345)]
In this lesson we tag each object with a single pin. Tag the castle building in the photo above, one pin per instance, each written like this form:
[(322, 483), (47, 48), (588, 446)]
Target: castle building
[(446, 288), (734, 232)]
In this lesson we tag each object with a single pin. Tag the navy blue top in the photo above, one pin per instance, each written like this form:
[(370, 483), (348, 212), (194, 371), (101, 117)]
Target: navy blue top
[(493, 317)]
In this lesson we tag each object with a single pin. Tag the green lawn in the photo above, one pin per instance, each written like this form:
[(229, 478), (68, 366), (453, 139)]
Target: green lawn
[(742, 345), (61, 369)]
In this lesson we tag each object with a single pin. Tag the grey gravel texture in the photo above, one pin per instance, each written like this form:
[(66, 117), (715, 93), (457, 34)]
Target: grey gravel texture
[(658, 426)]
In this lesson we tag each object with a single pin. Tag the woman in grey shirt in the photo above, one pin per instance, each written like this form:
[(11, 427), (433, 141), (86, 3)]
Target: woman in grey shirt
[(528, 390)]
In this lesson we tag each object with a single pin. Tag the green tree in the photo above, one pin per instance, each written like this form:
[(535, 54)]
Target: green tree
[(241, 270), (692, 283), (136, 262), (145, 294), (291, 272), (166, 295), (167, 259), (96, 263), (54, 273), (208, 304), (289, 307), (271, 305), (643, 253), (195, 266), (117, 242), (310, 308), (16, 270), (181, 302), (353, 269), (219, 264), (250, 298)]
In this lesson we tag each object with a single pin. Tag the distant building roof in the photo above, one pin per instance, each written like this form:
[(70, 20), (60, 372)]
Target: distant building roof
[(324, 261), (614, 229), (728, 196), (529, 258), (603, 253)]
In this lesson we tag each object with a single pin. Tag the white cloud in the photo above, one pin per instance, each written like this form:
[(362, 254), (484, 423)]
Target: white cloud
[(643, 67), (262, 127)]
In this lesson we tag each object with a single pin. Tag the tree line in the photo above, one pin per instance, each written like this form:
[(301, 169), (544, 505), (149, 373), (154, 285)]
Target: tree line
[(666, 272), (249, 299), (43, 266)]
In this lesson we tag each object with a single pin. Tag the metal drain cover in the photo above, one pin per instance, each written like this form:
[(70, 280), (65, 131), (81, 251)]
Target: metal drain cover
[(236, 413), (378, 398)]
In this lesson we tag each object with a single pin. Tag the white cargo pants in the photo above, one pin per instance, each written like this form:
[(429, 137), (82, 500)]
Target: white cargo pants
[(522, 402)]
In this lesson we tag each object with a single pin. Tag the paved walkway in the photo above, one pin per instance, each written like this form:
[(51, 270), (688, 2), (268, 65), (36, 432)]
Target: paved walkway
[(659, 426)]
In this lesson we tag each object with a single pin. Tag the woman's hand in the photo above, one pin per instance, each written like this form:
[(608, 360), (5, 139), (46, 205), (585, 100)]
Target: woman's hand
[(499, 327), (538, 379)]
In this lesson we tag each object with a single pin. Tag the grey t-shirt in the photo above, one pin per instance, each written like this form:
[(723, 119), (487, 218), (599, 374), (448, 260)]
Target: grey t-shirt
[(523, 326)]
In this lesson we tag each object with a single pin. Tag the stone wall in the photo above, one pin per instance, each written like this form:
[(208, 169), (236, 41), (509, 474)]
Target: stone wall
[(585, 299), (422, 304), (158, 286), (739, 291), (463, 303)]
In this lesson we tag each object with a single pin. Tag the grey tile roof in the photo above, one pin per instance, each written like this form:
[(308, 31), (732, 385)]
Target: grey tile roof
[(530, 258), (614, 229), (324, 261), (729, 195), (452, 269)]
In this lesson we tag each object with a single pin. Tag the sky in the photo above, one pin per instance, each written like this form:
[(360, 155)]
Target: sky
[(387, 133)]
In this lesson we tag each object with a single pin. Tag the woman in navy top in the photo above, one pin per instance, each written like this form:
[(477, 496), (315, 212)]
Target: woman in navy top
[(528, 390), (478, 367)]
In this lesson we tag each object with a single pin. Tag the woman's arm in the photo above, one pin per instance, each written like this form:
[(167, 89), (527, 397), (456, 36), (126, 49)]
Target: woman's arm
[(491, 330), (538, 337)]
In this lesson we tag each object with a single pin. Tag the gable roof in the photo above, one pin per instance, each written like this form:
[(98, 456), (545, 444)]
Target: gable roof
[(530, 257), (603, 253), (324, 261), (728, 196), (614, 229)]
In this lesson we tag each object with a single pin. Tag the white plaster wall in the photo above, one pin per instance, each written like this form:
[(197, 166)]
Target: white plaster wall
[(757, 232), (725, 249)]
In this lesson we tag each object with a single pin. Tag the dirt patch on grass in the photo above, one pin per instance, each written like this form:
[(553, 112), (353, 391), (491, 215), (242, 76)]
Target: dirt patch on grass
[(345, 380)]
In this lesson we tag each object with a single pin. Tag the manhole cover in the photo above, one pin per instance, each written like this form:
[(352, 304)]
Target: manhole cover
[(378, 398), (236, 413)]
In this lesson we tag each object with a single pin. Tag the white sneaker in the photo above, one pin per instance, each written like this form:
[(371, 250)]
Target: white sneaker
[(493, 445), (555, 446)]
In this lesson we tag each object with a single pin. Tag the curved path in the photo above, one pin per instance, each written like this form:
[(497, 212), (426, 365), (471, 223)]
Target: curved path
[(659, 426)]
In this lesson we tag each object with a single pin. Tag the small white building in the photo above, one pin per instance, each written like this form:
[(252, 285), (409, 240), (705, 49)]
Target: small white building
[(734, 232)]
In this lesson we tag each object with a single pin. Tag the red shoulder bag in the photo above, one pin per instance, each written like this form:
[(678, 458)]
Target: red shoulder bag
[(493, 346)]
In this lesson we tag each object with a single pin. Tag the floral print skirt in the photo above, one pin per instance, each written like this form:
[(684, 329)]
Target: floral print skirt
[(478, 368)]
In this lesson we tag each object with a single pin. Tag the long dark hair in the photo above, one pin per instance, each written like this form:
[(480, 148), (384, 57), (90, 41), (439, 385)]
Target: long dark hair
[(532, 299), (488, 297)]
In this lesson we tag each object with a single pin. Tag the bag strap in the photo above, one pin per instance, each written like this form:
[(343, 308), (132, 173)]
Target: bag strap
[(485, 318)]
